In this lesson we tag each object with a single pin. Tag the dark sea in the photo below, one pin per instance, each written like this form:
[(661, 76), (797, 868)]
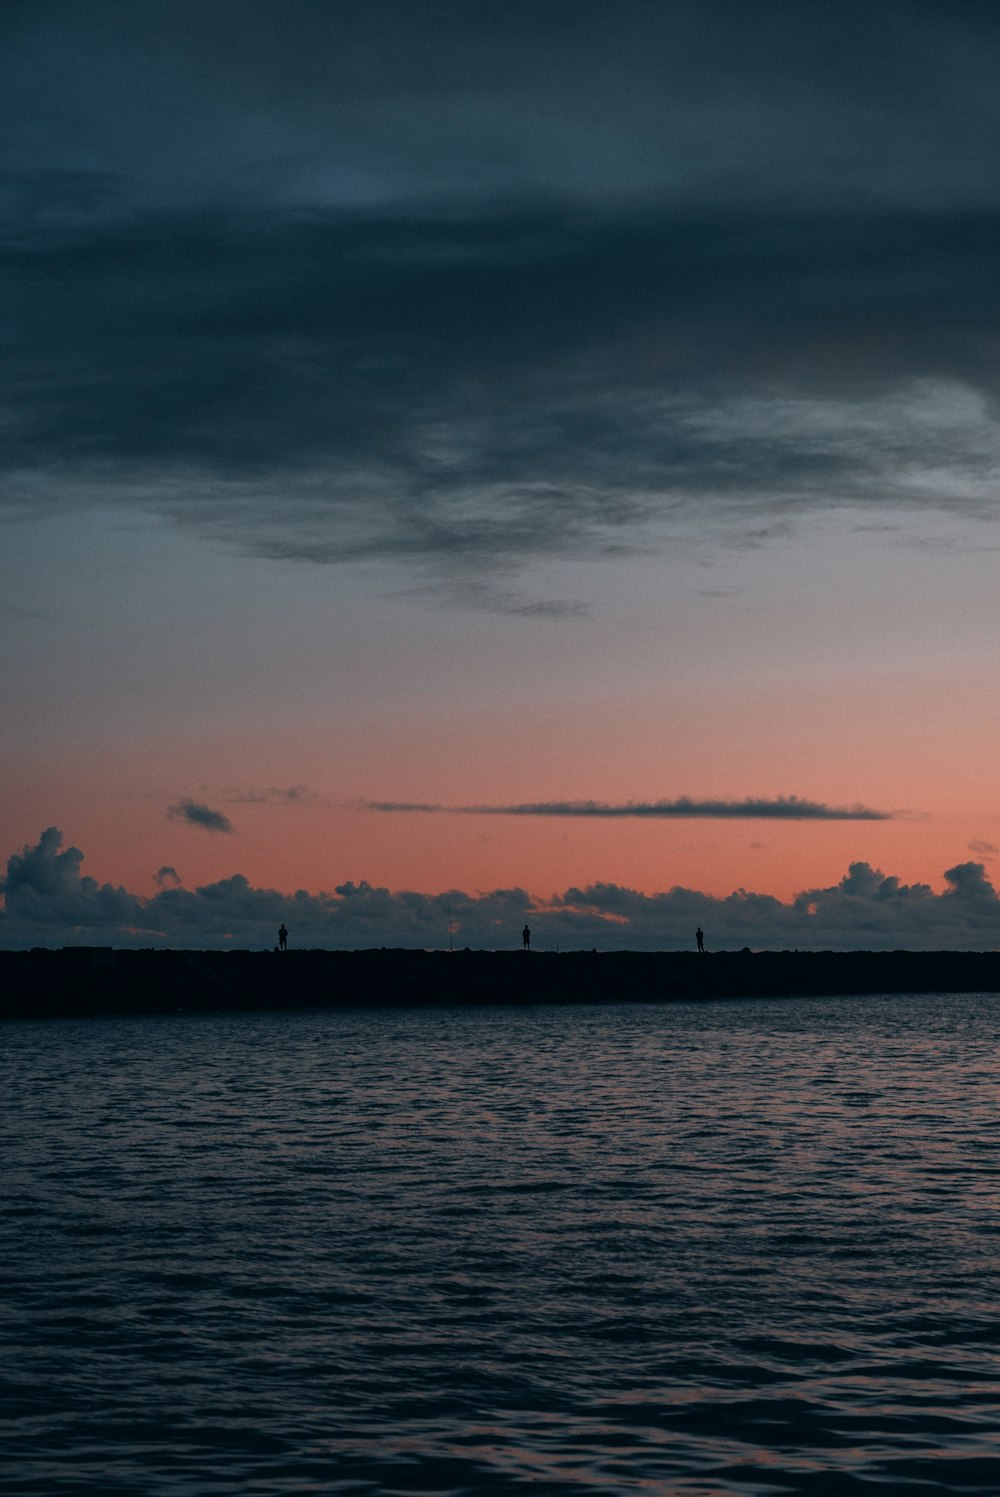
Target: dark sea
[(743, 1247)]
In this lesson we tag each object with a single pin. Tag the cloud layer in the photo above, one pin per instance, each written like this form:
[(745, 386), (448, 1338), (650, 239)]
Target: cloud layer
[(48, 901), (457, 291)]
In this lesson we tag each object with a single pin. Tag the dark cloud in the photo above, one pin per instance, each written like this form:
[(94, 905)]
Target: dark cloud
[(458, 288), (44, 886), (986, 849), (574, 373), (375, 100), (783, 808), (49, 902), (195, 814), (167, 877)]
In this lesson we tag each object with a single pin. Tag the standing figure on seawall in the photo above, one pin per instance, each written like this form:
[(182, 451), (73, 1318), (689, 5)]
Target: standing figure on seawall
[(282, 939), (699, 936), (526, 938)]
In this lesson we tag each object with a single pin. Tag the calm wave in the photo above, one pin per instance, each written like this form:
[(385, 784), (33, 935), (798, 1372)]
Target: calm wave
[(744, 1247)]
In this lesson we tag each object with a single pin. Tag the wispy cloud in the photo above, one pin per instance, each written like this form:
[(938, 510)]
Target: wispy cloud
[(293, 795), (783, 808), (195, 814)]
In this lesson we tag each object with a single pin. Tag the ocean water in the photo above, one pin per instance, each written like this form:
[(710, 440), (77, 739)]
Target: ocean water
[(739, 1247)]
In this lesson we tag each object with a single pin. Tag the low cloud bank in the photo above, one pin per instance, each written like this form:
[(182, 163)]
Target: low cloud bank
[(49, 901)]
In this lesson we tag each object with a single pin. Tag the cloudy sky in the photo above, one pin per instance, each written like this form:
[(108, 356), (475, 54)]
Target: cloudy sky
[(546, 448)]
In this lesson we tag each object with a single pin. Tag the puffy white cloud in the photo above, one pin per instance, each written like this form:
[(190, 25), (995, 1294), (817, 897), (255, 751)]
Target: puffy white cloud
[(50, 902)]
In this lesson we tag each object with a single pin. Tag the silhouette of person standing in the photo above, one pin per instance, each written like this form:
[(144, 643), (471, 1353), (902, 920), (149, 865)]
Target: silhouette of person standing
[(282, 939), (699, 936), (526, 938)]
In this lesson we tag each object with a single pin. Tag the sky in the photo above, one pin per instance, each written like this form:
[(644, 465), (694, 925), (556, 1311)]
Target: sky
[(464, 463)]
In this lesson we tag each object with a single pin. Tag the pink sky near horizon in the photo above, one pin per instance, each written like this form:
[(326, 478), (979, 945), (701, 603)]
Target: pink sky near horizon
[(359, 694), (316, 847)]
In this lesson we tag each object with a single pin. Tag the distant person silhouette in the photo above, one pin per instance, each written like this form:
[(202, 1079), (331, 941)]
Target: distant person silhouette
[(699, 936), (282, 939), (526, 938)]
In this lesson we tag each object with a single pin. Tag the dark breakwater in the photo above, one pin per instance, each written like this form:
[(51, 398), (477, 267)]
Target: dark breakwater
[(94, 980)]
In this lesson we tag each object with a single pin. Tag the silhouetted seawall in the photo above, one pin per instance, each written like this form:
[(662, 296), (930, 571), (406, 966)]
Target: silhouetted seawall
[(94, 980)]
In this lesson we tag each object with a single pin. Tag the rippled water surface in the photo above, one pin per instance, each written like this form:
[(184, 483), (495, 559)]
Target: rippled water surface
[(745, 1247)]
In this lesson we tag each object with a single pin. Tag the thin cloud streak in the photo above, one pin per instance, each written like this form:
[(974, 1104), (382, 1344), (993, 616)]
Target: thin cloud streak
[(293, 795), (784, 808)]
